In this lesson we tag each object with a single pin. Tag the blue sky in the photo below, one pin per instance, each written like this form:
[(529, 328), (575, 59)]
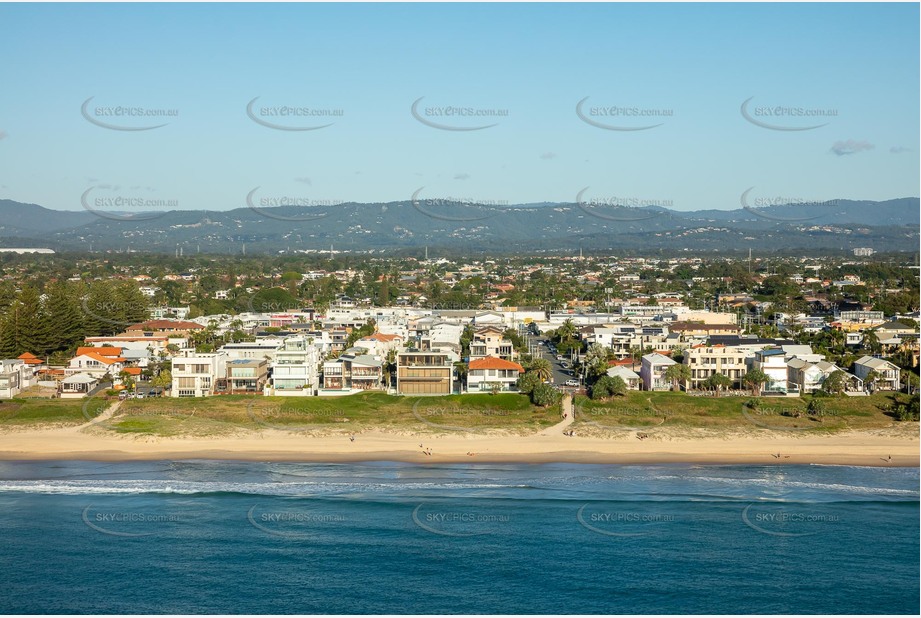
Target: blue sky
[(535, 62)]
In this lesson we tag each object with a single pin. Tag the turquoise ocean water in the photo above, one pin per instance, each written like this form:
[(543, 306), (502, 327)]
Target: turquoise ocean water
[(244, 537)]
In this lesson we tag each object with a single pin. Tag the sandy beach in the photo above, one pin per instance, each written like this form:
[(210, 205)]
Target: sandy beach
[(896, 446)]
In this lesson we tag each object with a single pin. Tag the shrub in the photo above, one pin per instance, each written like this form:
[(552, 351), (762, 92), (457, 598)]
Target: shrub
[(545, 395)]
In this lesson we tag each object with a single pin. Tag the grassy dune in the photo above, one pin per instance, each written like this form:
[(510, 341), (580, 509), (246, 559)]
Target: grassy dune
[(25, 412), (214, 416), (219, 415), (639, 410)]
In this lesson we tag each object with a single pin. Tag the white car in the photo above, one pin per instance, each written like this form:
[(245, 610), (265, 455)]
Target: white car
[(572, 383)]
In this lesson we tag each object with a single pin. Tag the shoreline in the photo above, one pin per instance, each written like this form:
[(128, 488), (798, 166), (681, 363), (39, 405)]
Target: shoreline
[(858, 448)]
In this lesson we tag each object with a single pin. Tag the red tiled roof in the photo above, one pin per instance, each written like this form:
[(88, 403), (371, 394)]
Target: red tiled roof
[(491, 362), (30, 359), (105, 360), (381, 337), (102, 351), (133, 371)]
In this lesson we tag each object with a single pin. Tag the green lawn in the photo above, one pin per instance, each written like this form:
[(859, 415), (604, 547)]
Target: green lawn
[(352, 413), (20, 412), (646, 410), (481, 412)]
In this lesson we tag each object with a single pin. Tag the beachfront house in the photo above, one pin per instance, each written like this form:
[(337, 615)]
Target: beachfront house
[(652, 372), (296, 369), (196, 374), (245, 376), (97, 362), (807, 377), (353, 369), (15, 375), (425, 372), (491, 373), (78, 385), (773, 362), (704, 361), (630, 378), (888, 374)]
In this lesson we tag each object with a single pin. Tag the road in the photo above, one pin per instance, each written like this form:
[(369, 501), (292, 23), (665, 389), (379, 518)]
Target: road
[(560, 375)]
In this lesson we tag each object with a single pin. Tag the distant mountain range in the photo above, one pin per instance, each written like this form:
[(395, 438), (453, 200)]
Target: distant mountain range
[(837, 225)]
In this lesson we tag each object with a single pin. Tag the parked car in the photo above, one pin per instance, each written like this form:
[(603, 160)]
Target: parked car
[(572, 383)]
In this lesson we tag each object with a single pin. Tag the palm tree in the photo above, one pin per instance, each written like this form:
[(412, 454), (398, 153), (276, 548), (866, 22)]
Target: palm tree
[(872, 377), (718, 382), (566, 330), (677, 373), (754, 379), (541, 367)]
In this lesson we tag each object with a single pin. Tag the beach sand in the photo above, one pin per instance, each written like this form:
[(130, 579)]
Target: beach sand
[(757, 446)]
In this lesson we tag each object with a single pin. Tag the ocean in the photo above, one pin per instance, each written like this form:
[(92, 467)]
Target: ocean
[(383, 537)]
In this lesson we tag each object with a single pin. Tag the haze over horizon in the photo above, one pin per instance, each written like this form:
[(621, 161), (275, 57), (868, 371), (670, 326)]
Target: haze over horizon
[(219, 71)]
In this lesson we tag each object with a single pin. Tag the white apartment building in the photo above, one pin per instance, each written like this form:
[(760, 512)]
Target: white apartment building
[(262, 348), (491, 341), (195, 374), (652, 372), (295, 370), (706, 361), (15, 375), (773, 362)]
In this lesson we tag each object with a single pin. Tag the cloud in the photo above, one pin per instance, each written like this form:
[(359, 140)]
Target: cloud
[(899, 149), (305, 180), (548, 155), (850, 147), (3, 134), (461, 176)]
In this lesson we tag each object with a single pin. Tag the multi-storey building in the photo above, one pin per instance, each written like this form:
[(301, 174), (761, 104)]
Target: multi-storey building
[(15, 375), (196, 374), (491, 341), (353, 369), (425, 372), (652, 372), (246, 376), (295, 370), (705, 361)]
